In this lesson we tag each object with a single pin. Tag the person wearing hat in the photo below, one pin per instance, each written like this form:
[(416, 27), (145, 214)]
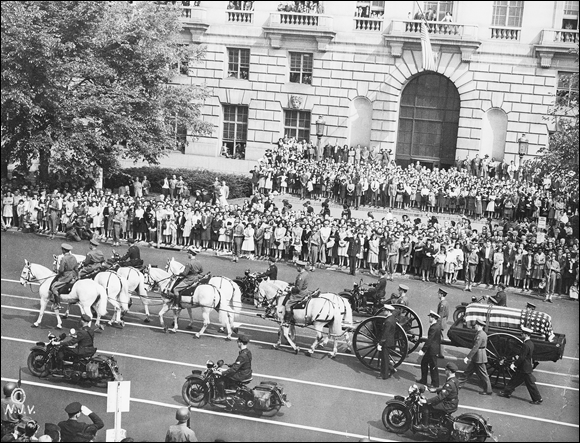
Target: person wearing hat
[(181, 431), (237, 372), (188, 278), (378, 293), (443, 312), (133, 255), (476, 360), (523, 368), (272, 272), (82, 338), (70, 428), (500, 299), (93, 261), (446, 400), (300, 288), (386, 342), (400, 298), (67, 273), (12, 411), (430, 351)]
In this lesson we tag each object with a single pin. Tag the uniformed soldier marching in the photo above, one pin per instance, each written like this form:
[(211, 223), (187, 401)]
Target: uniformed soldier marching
[(67, 273), (443, 311), (82, 338), (386, 342), (190, 275), (93, 261), (447, 398), (272, 271), (476, 360), (430, 351), (241, 370)]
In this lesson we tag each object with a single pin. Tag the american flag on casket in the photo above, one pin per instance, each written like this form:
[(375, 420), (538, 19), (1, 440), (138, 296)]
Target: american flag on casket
[(510, 318)]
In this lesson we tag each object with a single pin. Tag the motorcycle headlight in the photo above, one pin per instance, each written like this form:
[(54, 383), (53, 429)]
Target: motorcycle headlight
[(209, 364), (412, 388)]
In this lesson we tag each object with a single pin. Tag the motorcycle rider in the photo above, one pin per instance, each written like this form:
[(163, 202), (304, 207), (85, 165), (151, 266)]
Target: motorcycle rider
[(379, 292), (132, 257), (12, 412), (190, 275), (272, 271), (67, 273), (446, 400), (83, 338), (240, 371), (94, 260)]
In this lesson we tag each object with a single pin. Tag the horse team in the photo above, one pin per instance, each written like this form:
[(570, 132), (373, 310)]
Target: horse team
[(219, 293)]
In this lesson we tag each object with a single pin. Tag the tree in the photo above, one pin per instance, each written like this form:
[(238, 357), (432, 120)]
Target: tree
[(85, 83)]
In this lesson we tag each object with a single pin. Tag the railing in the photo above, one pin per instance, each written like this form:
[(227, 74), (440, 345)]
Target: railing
[(505, 33), (240, 16), (368, 24), (193, 13), (298, 19), (560, 36), (438, 28)]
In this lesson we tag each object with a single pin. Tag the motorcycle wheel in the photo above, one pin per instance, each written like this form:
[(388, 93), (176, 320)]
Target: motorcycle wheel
[(479, 433), (36, 366), (458, 313), (194, 393), (275, 407), (397, 418)]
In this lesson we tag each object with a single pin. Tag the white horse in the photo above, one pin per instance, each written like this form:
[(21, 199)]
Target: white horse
[(86, 293), (325, 310), (136, 285), (219, 293)]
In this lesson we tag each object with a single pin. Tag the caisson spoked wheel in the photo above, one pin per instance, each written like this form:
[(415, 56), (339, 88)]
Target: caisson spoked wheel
[(501, 351), (366, 338), (410, 322), (397, 418)]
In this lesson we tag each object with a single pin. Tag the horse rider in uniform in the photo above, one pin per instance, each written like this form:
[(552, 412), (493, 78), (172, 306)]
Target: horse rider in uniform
[(190, 275), (67, 273), (476, 360), (240, 371), (133, 255), (387, 341), (272, 271), (446, 400), (300, 289), (94, 260), (401, 298), (83, 339)]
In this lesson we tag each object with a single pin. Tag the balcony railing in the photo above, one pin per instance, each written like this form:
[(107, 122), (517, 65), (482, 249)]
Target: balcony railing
[(299, 25), (368, 24), (438, 28), (240, 16), (569, 36), (505, 33)]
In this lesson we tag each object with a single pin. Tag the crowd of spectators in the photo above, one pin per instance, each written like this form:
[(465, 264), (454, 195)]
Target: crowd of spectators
[(304, 7)]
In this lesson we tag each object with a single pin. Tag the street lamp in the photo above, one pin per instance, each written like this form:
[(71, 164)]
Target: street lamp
[(320, 126)]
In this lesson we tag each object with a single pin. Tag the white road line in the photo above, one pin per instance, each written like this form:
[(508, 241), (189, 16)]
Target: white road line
[(291, 380), (204, 411), (149, 326)]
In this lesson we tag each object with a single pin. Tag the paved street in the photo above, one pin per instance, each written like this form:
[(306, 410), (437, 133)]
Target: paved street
[(332, 400)]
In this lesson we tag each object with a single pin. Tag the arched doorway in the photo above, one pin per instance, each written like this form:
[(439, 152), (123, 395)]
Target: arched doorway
[(359, 121), (428, 121), (493, 134)]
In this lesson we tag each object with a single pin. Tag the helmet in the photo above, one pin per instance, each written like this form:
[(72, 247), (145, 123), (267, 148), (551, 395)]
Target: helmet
[(182, 414), (9, 388)]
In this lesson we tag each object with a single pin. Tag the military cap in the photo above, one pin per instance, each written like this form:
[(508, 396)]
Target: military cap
[(404, 287), (94, 242), (434, 315), (66, 247), (442, 292), (191, 251), (527, 330), (86, 318), (451, 366), (530, 305), (300, 263), (243, 339), (73, 408), (389, 307), (131, 240), (479, 322)]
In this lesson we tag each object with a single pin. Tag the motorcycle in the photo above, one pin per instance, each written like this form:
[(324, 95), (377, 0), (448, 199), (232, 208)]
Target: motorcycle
[(404, 414), (265, 399), (460, 309), (248, 285), (97, 370), (360, 300)]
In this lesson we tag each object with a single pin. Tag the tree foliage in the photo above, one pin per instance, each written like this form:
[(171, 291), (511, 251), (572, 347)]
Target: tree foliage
[(85, 83)]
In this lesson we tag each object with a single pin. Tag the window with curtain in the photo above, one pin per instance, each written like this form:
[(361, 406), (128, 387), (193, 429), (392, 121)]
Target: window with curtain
[(297, 124), (508, 14), (235, 130), (239, 63), (300, 68)]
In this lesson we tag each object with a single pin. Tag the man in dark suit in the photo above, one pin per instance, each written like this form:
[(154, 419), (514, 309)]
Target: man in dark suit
[(70, 428), (430, 351), (476, 360), (523, 367), (387, 341), (133, 255), (352, 251), (486, 260), (272, 271)]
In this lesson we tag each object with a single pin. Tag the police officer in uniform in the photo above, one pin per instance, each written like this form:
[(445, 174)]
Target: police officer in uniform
[(241, 370), (476, 360), (300, 288), (83, 339), (94, 260), (430, 351), (447, 398), (133, 255), (67, 273), (190, 275), (443, 311), (272, 271), (523, 367), (400, 298), (387, 341)]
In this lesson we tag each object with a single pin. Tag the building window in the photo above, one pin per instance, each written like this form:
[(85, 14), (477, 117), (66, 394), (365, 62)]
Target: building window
[(369, 9), (300, 68), (297, 124), (570, 16), (567, 90), (235, 131), (438, 10), (508, 14), (239, 63)]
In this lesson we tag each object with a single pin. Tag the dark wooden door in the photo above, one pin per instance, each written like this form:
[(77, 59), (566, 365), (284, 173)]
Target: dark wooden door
[(428, 121)]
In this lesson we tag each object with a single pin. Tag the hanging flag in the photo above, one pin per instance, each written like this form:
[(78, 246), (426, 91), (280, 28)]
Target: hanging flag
[(426, 49)]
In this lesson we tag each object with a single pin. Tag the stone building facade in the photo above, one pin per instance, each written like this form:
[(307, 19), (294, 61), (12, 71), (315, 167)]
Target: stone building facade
[(358, 64)]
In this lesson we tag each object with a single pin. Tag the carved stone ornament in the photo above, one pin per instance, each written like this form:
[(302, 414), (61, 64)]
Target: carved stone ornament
[(296, 101)]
